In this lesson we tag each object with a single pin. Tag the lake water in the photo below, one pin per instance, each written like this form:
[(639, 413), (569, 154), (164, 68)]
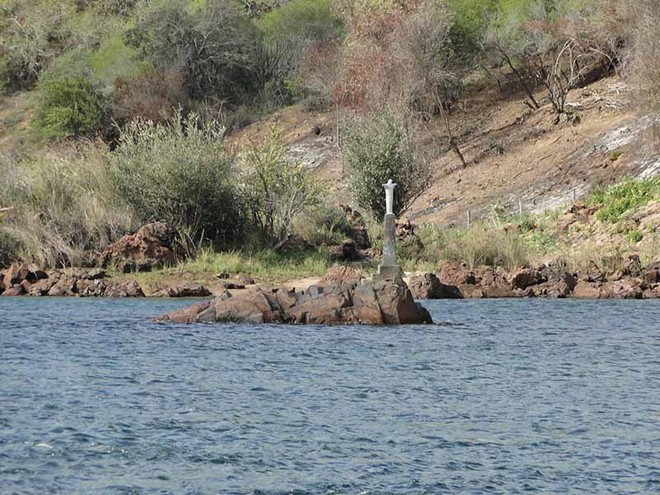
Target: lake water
[(502, 397)]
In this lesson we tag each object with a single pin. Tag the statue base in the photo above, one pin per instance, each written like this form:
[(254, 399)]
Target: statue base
[(392, 272)]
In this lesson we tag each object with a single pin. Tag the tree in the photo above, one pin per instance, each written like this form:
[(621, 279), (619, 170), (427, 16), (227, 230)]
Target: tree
[(277, 189), (379, 148)]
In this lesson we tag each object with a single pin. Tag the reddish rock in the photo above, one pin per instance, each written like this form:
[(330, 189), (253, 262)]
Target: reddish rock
[(189, 314), (150, 247), (457, 274), (652, 276), (124, 289), (588, 290), (527, 277), (181, 290), (341, 275), (15, 274), (428, 286), (623, 289), (16, 290), (365, 303)]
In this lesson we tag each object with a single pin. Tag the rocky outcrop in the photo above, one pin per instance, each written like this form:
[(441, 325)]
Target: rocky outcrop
[(28, 280), (185, 289), (631, 281), (150, 247), (342, 275), (428, 286), (366, 303)]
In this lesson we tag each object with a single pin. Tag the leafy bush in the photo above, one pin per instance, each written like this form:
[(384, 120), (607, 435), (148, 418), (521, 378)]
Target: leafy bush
[(179, 173), (623, 197), (326, 225), (377, 149), (277, 189), (290, 34), (69, 107), (214, 46)]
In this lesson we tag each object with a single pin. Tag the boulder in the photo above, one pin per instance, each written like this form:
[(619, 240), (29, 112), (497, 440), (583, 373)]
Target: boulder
[(123, 289), (527, 277), (428, 286), (455, 273), (188, 289), (342, 275), (588, 290), (369, 303), (150, 247)]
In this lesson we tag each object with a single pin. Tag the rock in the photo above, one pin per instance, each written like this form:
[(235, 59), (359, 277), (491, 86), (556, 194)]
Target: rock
[(124, 289), (230, 285), (189, 314), (588, 290), (15, 274), (527, 277), (2, 283), (342, 275), (374, 303), (182, 290), (623, 289), (652, 276), (16, 290), (632, 267), (428, 286), (455, 273), (150, 247)]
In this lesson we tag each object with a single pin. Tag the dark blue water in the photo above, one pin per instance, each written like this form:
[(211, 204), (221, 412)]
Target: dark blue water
[(504, 397)]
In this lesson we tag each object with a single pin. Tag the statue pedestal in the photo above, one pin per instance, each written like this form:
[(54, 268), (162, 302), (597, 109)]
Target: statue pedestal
[(388, 269)]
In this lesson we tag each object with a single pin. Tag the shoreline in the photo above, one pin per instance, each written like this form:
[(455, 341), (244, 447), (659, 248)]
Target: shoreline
[(452, 280)]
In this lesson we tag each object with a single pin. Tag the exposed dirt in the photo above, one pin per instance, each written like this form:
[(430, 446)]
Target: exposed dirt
[(518, 159)]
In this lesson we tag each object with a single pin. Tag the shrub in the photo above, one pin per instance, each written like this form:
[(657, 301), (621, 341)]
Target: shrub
[(277, 189), (644, 66), (290, 34), (377, 149), (214, 46), (623, 197), (179, 173), (69, 107)]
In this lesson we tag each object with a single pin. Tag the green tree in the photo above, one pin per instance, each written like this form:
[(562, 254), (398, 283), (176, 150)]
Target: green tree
[(277, 188), (377, 149)]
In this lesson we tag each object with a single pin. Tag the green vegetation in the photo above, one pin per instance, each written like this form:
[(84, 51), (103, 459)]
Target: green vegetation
[(179, 173), (377, 149), (156, 85), (619, 199)]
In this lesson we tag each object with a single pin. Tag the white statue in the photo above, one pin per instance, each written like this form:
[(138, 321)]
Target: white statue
[(389, 197)]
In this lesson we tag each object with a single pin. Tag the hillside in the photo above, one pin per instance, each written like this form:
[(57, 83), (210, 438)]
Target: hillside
[(245, 127)]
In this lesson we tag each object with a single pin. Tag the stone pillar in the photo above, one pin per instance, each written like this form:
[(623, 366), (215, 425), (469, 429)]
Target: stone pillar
[(388, 269)]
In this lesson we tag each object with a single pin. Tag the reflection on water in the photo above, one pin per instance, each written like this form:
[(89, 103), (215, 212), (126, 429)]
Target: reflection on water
[(500, 397)]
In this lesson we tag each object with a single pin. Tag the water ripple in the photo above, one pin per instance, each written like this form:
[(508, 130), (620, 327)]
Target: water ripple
[(502, 397)]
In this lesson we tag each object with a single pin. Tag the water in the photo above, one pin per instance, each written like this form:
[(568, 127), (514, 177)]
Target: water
[(502, 397)]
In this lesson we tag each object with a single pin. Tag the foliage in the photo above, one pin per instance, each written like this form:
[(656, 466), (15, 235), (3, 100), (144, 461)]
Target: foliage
[(277, 189), (265, 265), (179, 173), (290, 34), (326, 225), (215, 47), (63, 204), (69, 107), (629, 194), (379, 148)]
